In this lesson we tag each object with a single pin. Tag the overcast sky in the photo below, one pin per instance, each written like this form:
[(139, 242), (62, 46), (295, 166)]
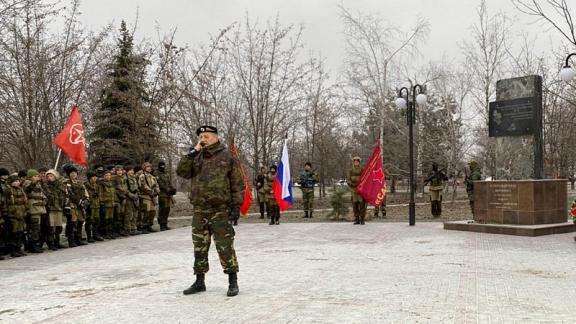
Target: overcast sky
[(196, 20)]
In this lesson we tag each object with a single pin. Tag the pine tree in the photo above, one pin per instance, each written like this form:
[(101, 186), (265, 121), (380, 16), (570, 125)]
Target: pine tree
[(126, 128)]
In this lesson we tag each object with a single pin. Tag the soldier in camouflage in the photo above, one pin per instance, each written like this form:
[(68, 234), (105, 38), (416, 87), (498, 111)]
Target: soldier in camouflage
[(119, 180), (165, 198), (56, 200), (107, 203), (261, 196), (36, 208), (4, 174), (77, 200), (16, 212), (475, 175), (149, 191), (307, 180), (93, 207), (436, 181), (358, 203), (132, 202), (272, 207), (217, 191)]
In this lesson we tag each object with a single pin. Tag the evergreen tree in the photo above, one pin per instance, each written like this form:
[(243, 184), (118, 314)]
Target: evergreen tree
[(126, 127)]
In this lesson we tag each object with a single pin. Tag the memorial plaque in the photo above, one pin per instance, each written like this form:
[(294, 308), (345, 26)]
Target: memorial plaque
[(503, 195), (516, 117)]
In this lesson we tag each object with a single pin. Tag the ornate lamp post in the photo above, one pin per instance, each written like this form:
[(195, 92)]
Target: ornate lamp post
[(403, 102)]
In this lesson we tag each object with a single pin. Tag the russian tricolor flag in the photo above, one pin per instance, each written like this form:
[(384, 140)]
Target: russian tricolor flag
[(282, 186)]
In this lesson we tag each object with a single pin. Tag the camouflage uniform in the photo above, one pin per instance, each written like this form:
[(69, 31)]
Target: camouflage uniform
[(436, 180), (15, 199), (272, 207), (107, 202), (149, 191), (120, 206), (475, 175), (261, 195), (132, 205), (56, 194), (358, 203), (164, 198), (77, 199), (307, 181), (3, 187), (217, 189), (36, 208), (94, 191)]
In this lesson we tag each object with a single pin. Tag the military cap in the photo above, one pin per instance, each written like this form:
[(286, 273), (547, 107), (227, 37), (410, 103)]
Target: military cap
[(32, 172), (356, 158), (53, 172), (206, 129), (161, 163), (118, 167), (137, 169), (308, 163), (4, 172), (22, 173)]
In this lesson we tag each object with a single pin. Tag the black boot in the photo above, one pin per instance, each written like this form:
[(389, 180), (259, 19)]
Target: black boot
[(232, 285), (361, 219), (197, 286), (261, 210), (311, 213), (271, 220), (305, 214), (71, 242)]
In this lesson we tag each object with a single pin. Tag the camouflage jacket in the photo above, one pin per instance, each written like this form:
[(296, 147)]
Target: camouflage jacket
[(268, 186), (216, 178), (3, 206), (354, 176), (15, 202), (56, 193), (308, 179), (475, 175), (76, 192), (133, 187), (148, 186), (121, 187), (94, 192), (166, 188), (36, 198), (108, 194)]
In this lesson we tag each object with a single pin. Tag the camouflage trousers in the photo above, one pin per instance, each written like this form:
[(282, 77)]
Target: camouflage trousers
[(164, 205), (130, 216), (208, 223), (33, 226), (308, 199)]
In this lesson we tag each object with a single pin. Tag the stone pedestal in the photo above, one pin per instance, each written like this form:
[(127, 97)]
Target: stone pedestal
[(518, 207), (520, 202)]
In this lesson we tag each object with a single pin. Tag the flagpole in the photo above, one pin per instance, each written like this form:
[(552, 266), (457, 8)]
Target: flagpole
[(57, 159)]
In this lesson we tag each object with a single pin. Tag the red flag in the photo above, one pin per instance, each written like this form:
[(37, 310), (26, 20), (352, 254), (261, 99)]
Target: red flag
[(71, 138), (372, 184), (248, 192)]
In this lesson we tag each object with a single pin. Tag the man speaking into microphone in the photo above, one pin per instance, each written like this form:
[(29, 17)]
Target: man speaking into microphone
[(217, 191)]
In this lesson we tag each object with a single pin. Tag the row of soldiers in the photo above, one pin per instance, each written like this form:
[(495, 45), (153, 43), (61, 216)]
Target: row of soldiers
[(110, 203)]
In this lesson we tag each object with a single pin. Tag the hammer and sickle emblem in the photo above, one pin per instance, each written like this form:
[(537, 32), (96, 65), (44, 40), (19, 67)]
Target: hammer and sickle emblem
[(76, 134)]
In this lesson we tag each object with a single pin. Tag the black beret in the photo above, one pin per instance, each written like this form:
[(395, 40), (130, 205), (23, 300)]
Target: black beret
[(90, 173), (23, 173), (4, 172), (206, 129), (69, 169)]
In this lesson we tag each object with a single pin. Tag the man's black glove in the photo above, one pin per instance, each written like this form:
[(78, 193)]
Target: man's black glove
[(234, 214), (192, 152)]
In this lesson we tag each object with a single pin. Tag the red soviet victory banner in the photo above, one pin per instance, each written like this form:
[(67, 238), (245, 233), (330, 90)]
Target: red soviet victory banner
[(372, 184), (71, 138), (248, 193)]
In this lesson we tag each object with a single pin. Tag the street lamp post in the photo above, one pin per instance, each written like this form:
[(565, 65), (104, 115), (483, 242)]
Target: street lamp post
[(567, 73), (403, 102)]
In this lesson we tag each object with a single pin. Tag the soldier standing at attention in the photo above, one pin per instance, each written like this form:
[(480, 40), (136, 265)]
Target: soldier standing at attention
[(140, 209), (217, 192), (149, 191), (78, 197), (4, 174), (167, 191), (436, 180), (16, 212), (475, 175), (36, 208), (272, 207), (107, 203), (119, 180), (56, 193), (93, 207), (358, 203), (308, 179), (259, 185)]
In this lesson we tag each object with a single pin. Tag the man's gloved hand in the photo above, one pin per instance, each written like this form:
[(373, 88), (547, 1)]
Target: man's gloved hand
[(192, 152), (234, 213)]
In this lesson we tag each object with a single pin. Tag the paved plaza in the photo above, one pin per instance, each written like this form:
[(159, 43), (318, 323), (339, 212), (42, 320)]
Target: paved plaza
[(302, 273)]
